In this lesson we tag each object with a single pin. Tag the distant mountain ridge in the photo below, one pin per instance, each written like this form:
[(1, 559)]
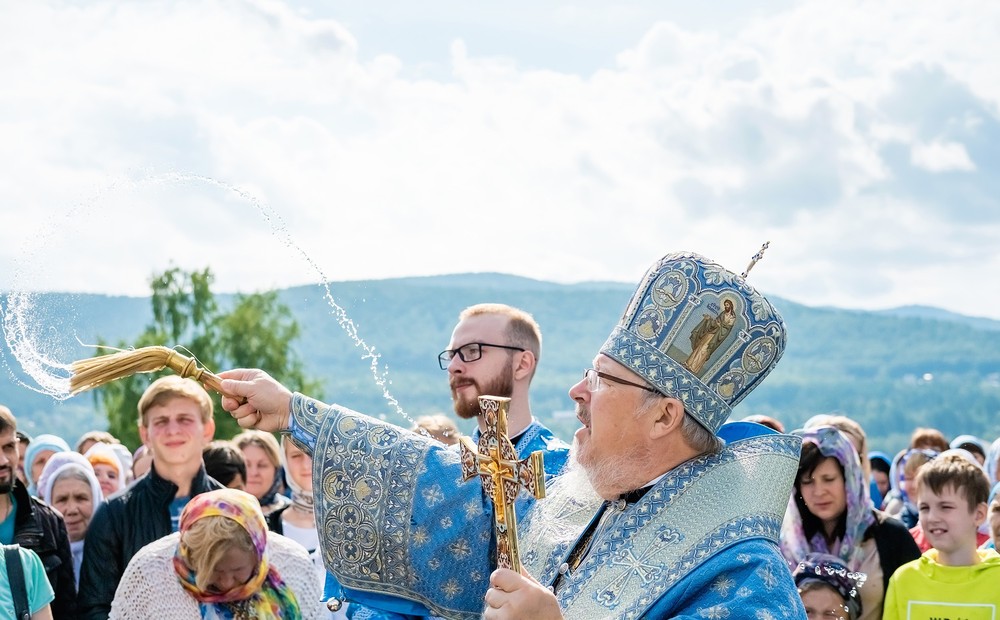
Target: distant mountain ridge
[(892, 370), (937, 314)]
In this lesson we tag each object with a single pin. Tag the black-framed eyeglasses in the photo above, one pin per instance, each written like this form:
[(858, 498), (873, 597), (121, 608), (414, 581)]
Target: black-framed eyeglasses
[(594, 376), (469, 352)]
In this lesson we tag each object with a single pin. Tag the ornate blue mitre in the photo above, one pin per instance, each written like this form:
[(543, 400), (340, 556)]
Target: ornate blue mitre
[(698, 332)]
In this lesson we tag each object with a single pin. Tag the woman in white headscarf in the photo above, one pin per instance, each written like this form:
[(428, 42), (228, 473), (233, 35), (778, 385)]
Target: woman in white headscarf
[(68, 483)]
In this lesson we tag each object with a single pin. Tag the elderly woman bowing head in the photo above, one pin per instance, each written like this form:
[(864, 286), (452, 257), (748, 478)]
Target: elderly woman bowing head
[(222, 564)]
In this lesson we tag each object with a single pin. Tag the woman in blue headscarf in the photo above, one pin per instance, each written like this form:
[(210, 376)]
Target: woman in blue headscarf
[(39, 451), (880, 483), (899, 503), (831, 512)]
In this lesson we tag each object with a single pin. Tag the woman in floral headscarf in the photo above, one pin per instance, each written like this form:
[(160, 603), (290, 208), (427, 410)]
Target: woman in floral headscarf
[(222, 565), (831, 512)]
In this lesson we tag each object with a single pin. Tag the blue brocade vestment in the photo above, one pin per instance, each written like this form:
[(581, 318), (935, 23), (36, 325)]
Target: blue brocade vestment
[(397, 522)]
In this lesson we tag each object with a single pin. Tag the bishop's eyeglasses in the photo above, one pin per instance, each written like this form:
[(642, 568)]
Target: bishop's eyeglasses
[(594, 376), (469, 352)]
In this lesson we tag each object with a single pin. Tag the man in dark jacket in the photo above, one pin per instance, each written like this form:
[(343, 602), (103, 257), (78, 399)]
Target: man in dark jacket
[(175, 423), (33, 524)]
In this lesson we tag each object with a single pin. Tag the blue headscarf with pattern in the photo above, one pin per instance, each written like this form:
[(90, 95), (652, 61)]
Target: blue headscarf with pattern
[(860, 510)]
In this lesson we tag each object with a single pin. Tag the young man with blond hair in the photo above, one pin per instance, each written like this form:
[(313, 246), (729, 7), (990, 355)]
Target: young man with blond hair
[(175, 424), (953, 579)]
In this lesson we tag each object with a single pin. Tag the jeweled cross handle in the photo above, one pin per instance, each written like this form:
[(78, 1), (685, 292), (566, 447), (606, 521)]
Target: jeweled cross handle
[(503, 475)]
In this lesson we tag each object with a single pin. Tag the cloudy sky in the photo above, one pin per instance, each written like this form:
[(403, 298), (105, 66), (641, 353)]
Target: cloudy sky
[(282, 142)]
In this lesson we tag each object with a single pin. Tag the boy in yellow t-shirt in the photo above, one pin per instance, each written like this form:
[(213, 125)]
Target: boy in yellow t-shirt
[(953, 580)]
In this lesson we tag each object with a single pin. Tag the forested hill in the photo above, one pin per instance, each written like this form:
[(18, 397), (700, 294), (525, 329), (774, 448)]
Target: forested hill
[(891, 370)]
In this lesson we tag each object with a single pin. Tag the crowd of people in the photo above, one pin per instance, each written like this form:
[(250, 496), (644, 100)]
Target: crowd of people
[(662, 507)]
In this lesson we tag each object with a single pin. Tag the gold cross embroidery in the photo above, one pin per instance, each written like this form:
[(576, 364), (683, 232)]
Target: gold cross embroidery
[(502, 474)]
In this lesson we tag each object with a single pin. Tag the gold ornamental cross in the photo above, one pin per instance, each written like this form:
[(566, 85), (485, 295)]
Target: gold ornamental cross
[(503, 475)]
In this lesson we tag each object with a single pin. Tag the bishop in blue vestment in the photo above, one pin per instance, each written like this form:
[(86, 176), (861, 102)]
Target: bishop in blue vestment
[(662, 513)]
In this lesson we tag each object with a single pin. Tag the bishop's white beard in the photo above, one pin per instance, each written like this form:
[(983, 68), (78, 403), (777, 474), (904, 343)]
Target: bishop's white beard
[(612, 477), (579, 477), (557, 517)]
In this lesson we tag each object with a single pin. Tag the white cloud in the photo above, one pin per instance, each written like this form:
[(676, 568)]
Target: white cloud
[(816, 125), (941, 157)]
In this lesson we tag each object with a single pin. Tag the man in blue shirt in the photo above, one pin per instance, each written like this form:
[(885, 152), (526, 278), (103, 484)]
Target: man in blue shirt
[(494, 351)]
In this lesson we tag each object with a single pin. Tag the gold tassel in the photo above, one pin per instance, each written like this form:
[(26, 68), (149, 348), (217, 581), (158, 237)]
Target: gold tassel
[(96, 371)]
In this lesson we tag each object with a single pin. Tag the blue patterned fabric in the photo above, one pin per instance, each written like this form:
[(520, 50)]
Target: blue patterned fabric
[(369, 606), (749, 581), (399, 523), (698, 332), (714, 511)]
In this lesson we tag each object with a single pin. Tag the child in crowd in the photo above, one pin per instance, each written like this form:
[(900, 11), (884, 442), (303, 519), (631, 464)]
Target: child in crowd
[(899, 502), (982, 536), (993, 518), (954, 579), (827, 588)]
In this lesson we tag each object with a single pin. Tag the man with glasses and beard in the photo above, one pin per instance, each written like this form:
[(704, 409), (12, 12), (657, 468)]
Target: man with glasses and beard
[(664, 511), (494, 351)]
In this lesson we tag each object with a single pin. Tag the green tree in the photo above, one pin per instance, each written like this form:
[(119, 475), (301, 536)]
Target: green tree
[(257, 332)]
